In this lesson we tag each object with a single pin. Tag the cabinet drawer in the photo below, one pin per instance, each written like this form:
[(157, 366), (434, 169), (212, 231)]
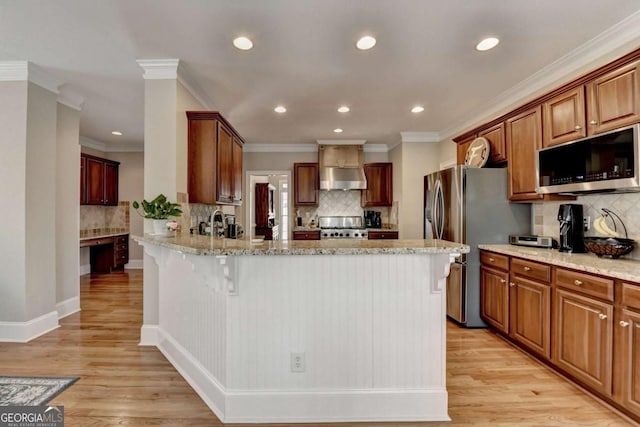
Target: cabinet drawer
[(306, 235), (585, 283), (533, 270), (494, 260), (122, 247), (383, 235), (631, 295), (122, 239)]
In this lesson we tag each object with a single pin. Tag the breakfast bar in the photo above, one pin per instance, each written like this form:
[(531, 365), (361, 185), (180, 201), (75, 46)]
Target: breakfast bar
[(306, 331)]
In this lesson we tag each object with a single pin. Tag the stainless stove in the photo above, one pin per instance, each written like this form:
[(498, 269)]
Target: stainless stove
[(342, 227)]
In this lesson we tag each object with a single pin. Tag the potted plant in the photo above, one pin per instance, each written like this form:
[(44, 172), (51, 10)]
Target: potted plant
[(159, 210)]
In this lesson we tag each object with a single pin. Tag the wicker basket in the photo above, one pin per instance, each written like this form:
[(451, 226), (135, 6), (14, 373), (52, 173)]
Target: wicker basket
[(610, 247)]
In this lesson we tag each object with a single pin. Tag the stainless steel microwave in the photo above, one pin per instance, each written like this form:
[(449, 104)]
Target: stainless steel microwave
[(607, 162)]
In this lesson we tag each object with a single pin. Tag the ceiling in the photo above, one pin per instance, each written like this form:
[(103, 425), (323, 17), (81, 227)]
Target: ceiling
[(303, 58)]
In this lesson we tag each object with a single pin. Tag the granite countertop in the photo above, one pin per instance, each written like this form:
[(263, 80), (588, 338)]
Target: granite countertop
[(103, 236), (205, 245), (621, 268)]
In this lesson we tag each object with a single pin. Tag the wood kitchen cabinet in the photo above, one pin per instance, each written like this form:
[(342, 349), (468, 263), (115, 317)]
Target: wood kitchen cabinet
[(306, 235), (379, 190), (214, 160), (564, 117), (627, 350), (524, 137), (613, 99), (461, 149), (382, 234), (100, 176), (494, 290), (306, 184), (107, 254), (497, 143), (265, 211)]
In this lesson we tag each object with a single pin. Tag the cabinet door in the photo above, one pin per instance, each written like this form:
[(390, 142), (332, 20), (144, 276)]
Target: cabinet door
[(530, 314), (524, 137), (224, 171), (583, 339), (379, 190), (306, 183), (262, 205), (614, 99), (461, 149), (83, 180), (237, 171), (201, 161), (495, 298), (110, 183), (564, 118), (628, 359), (95, 181), (497, 144)]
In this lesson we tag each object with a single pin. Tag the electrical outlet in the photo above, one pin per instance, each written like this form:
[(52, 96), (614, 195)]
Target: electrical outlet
[(297, 362), (587, 223)]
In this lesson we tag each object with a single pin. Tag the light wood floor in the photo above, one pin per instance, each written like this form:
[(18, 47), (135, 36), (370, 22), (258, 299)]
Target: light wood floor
[(121, 383)]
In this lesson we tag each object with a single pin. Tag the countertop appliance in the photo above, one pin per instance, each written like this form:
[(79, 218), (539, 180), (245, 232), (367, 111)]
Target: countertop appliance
[(372, 219), (603, 162), (342, 227), (469, 205), (535, 241), (571, 222)]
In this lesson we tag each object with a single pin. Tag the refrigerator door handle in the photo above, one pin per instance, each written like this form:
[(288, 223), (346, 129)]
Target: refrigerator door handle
[(438, 208)]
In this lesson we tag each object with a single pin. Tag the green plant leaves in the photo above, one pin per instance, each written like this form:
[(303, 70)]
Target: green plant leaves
[(158, 208)]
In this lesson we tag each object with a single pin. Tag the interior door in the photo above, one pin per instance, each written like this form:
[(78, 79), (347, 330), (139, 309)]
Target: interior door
[(456, 292)]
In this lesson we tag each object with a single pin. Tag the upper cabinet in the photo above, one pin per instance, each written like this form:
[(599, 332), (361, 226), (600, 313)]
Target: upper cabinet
[(98, 181), (564, 118), (461, 149), (214, 171), (614, 99), (497, 143), (379, 190), (306, 184), (524, 137)]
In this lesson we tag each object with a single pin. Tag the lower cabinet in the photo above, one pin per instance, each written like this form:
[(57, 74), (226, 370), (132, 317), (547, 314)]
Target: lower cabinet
[(306, 235), (382, 235), (530, 314), (107, 253), (627, 350), (495, 298)]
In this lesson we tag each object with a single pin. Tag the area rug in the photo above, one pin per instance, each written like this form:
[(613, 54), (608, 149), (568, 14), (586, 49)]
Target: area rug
[(31, 391)]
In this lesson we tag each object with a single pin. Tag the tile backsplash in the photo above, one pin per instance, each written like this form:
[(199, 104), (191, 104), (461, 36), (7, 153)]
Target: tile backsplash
[(101, 220), (626, 206), (340, 203)]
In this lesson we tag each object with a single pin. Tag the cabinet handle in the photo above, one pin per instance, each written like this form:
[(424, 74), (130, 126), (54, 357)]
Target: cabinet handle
[(578, 127), (527, 268), (512, 284), (503, 281), (593, 122), (577, 282), (602, 316), (491, 259), (624, 324)]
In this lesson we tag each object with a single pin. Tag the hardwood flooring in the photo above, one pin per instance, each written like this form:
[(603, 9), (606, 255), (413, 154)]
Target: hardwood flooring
[(489, 382)]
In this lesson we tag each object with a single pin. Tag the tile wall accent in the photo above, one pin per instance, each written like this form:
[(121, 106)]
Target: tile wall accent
[(103, 220), (627, 206), (339, 203)]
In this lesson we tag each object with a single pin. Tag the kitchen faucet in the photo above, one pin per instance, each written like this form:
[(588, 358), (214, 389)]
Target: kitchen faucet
[(219, 230)]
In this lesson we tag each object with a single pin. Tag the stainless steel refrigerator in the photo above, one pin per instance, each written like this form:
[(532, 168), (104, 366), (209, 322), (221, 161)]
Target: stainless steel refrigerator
[(469, 205)]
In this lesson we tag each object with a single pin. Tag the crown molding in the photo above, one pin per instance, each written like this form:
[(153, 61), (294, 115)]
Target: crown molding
[(611, 43), (71, 100), (341, 141), (159, 69), (28, 71), (193, 88), (111, 148), (375, 148), (419, 137), (280, 148)]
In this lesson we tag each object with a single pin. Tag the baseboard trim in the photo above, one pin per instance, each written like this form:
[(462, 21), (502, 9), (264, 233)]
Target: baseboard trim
[(26, 331), (85, 269), (149, 335), (268, 406), (68, 307), (134, 264)]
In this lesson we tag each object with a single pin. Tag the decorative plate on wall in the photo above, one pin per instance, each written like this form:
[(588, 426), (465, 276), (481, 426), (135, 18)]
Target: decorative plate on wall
[(477, 153)]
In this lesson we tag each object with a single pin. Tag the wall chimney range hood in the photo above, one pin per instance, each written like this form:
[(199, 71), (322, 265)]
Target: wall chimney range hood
[(341, 166)]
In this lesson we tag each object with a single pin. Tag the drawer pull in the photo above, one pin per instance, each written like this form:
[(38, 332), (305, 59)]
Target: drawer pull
[(491, 260), (527, 268), (503, 281), (578, 127), (593, 122), (577, 282), (602, 316), (512, 284), (624, 324)]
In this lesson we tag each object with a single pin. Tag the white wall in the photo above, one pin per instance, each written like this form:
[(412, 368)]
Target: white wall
[(67, 208), (185, 101)]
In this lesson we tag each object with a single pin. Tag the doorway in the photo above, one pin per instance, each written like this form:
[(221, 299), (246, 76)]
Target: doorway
[(281, 182)]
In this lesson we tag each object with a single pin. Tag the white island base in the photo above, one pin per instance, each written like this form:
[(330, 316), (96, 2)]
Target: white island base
[(306, 338)]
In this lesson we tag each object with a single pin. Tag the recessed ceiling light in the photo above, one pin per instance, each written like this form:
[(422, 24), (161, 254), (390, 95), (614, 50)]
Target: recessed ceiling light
[(117, 133), (242, 43), (344, 109), (417, 109), (365, 43), (280, 109), (488, 43), (337, 130)]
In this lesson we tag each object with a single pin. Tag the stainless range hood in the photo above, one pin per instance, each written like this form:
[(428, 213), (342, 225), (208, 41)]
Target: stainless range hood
[(341, 167)]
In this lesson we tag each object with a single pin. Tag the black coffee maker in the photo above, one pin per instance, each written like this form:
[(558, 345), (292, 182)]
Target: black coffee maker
[(372, 219), (571, 222)]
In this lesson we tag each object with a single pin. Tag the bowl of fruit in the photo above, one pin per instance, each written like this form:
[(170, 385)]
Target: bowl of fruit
[(611, 244)]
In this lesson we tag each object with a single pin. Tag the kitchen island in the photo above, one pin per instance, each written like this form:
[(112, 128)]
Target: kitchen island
[(305, 331)]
